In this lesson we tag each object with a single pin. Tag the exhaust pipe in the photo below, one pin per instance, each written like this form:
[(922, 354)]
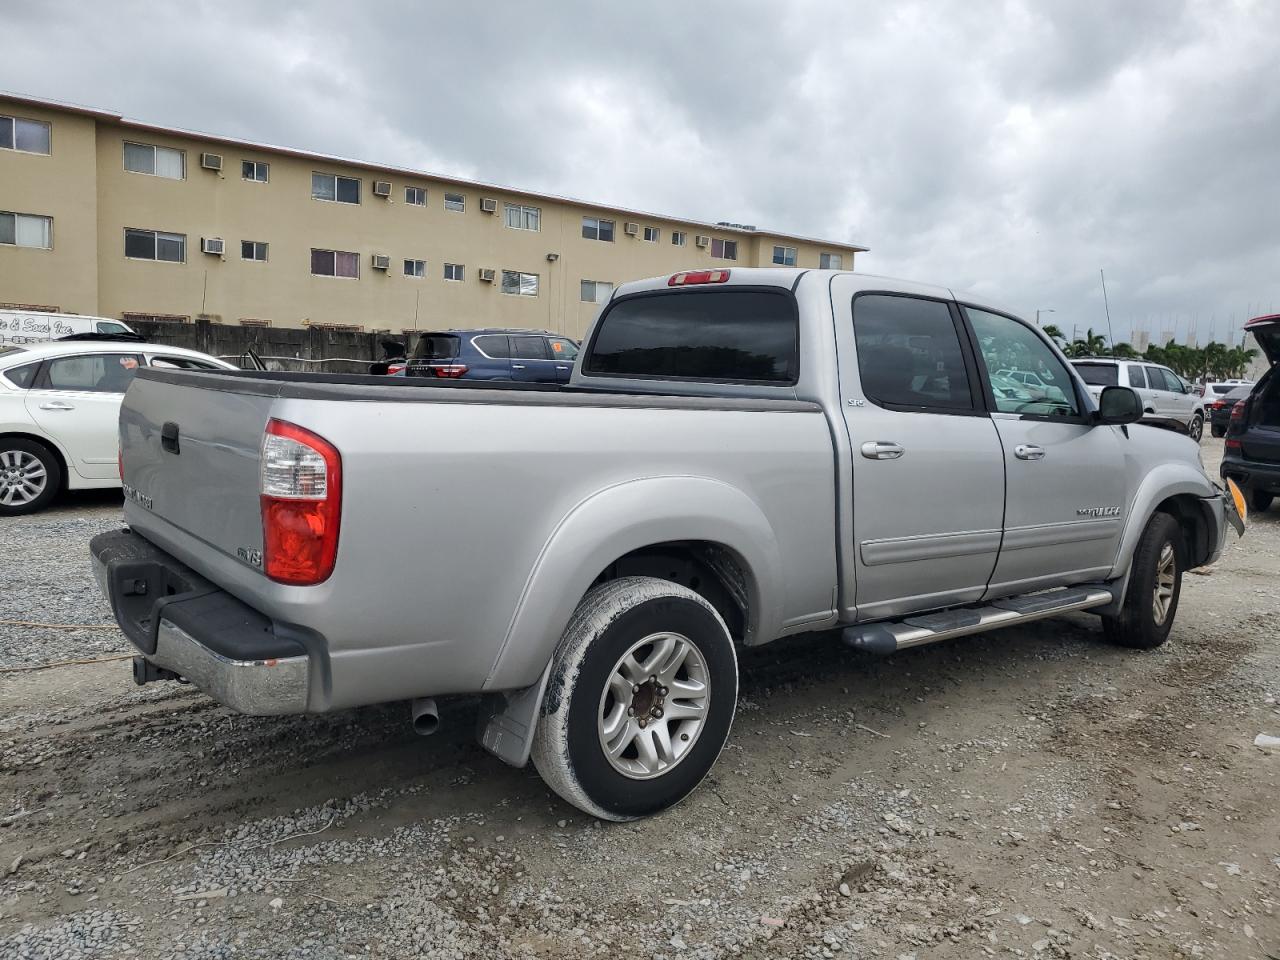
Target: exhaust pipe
[(424, 716)]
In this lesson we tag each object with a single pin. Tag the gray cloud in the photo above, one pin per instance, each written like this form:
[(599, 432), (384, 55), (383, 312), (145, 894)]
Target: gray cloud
[(1005, 146)]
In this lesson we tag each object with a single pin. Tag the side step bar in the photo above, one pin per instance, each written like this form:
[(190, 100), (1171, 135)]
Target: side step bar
[(891, 635)]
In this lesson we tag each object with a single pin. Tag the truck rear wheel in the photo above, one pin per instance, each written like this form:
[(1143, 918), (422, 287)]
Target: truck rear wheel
[(642, 692), (1155, 584)]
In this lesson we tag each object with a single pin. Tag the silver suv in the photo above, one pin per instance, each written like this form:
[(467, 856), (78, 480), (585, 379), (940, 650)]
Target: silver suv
[(1166, 397)]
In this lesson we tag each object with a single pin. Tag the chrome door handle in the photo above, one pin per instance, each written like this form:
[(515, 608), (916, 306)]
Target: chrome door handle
[(881, 450), (517, 366), (561, 368), (57, 405), (1028, 451)]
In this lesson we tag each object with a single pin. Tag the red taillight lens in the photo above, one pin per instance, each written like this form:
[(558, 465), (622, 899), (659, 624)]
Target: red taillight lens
[(301, 494), (449, 371), (1237, 412), (1219, 404), (394, 368), (1234, 445), (698, 276)]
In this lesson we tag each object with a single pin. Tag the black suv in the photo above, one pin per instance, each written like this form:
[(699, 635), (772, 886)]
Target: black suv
[(1252, 454)]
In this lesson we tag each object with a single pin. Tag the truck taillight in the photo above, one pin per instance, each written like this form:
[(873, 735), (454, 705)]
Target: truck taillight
[(449, 371), (1237, 412), (301, 494)]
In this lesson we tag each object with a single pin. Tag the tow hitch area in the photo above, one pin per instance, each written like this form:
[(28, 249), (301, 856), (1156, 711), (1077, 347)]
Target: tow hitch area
[(144, 671)]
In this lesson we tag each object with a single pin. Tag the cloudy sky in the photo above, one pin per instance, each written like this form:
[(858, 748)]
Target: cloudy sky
[(1009, 148)]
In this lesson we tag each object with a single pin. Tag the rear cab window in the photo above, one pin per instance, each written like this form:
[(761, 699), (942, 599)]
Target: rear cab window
[(726, 335), (1099, 374)]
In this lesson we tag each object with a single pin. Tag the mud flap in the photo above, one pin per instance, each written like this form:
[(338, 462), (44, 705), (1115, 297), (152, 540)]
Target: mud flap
[(507, 721)]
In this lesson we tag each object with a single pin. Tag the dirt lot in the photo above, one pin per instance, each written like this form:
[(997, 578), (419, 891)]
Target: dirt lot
[(1032, 792)]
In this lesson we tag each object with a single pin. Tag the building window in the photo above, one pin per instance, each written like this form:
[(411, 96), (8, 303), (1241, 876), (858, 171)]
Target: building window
[(25, 230), (328, 186), (784, 256), (454, 271), (416, 196), (415, 268), (253, 250), (593, 228), (830, 261), (455, 202), (596, 291), (678, 238), (652, 234), (335, 263), (519, 284), (255, 170), (155, 161), (520, 217), (29, 136), (724, 249), (154, 245)]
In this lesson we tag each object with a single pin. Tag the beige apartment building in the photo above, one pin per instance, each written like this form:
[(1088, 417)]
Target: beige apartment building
[(107, 216)]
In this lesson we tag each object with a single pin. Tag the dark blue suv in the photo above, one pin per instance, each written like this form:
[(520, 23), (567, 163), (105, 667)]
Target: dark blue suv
[(535, 356)]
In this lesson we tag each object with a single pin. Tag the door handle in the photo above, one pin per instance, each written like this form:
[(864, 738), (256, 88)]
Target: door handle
[(1028, 451), (558, 367), (517, 366), (881, 450), (57, 405)]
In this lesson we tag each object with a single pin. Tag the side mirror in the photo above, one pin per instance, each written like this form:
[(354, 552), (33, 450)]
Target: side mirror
[(1119, 405)]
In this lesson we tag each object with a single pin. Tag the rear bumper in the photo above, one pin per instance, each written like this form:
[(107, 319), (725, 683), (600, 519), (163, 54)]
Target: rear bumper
[(1252, 474), (181, 622)]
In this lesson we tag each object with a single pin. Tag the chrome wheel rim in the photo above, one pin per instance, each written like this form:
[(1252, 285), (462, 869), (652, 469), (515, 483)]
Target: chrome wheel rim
[(654, 706), (1162, 596), (1197, 428), (22, 477)]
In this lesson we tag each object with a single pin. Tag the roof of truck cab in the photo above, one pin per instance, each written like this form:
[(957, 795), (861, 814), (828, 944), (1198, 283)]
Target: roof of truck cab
[(786, 277)]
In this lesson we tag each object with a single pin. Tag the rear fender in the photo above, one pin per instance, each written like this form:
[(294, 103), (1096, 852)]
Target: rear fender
[(613, 523)]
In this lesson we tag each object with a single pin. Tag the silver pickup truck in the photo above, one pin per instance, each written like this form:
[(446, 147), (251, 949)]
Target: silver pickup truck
[(740, 455)]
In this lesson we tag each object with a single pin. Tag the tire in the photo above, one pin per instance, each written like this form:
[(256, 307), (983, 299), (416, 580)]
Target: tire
[(583, 709), (1196, 430), (1218, 431), (1158, 559), (1260, 500), (30, 476)]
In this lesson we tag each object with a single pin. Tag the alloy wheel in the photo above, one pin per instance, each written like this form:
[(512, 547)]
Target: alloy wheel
[(1162, 595), (22, 477)]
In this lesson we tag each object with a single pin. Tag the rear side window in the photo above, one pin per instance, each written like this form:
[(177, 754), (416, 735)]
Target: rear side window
[(1136, 377), (909, 353), (1099, 374), (724, 335), (493, 345), (436, 347), (24, 375), (530, 348)]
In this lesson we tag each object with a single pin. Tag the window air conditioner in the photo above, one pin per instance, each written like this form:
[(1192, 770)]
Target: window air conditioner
[(488, 205), (631, 229), (702, 241), (487, 274), (382, 188), (211, 161), (212, 245), (381, 261)]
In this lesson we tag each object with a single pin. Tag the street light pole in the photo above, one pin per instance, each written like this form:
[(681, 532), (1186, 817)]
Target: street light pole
[(1043, 310)]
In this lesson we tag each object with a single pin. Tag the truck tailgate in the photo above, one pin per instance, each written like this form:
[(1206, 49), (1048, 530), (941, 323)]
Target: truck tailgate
[(189, 456)]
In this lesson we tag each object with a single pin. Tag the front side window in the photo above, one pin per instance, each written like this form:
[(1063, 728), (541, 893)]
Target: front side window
[(91, 372), (28, 136), (454, 271), (725, 335), (155, 245), (678, 238), (652, 234), (563, 349), (593, 228), (520, 217), (335, 263), (724, 249), (1007, 343), (596, 291), (155, 161), (416, 196), (519, 284), (253, 250), (255, 170), (328, 186), (784, 256), (909, 354), (415, 268), (26, 230), (455, 202), (830, 261)]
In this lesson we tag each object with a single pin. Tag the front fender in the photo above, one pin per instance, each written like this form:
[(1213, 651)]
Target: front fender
[(614, 522), (1166, 480)]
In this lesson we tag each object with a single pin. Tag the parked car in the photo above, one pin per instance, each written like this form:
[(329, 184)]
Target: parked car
[(1212, 389), (740, 455), (59, 412), (1219, 408), (1251, 455), (535, 356), (23, 328), (1166, 398)]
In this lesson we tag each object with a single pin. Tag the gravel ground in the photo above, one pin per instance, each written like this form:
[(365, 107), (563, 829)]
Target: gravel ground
[(1032, 792)]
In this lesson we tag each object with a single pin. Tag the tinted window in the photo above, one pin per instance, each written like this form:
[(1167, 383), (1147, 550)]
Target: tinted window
[(96, 373), (1222, 389), (1099, 374), (436, 347), (23, 375), (1136, 377), (909, 353), (1046, 384), (108, 326), (530, 348), (740, 335), (493, 345), (562, 349), (182, 363)]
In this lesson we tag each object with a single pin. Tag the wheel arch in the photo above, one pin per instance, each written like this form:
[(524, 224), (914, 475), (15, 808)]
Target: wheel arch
[(1181, 491), (65, 480)]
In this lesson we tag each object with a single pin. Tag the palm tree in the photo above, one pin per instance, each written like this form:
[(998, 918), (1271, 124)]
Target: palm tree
[(1054, 333)]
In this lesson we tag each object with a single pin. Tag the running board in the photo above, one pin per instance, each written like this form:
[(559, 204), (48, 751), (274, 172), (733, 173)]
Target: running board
[(891, 635)]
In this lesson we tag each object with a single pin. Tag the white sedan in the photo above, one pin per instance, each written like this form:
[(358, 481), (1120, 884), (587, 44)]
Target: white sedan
[(59, 413)]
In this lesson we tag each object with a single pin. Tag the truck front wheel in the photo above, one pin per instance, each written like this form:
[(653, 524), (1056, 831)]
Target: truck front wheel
[(1155, 583), (640, 699)]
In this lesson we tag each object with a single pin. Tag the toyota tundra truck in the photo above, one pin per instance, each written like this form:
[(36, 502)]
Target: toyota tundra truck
[(738, 456)]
